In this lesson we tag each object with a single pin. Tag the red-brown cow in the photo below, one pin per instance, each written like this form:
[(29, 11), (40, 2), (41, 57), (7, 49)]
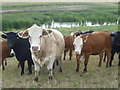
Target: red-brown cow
[(92, 44), (69, 43), (68, 46), (4, 53)]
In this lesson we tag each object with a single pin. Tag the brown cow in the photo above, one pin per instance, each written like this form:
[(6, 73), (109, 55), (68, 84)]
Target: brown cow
[(4, 53), (68, 46), (92, 44), (69, 43)]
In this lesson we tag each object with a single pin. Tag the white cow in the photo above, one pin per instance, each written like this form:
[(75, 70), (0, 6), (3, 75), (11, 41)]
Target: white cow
[(46, 45)]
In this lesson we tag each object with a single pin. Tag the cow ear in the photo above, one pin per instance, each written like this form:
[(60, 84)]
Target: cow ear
[(23, 34), (74, 36), (85, 37), (45, 32), (4, 36)]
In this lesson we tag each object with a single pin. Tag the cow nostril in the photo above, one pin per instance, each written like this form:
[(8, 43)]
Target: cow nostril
[(35, 48), (77, 52)]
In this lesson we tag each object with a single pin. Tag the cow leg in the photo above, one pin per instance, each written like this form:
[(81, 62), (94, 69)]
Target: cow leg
[(18, 65), (37, 70), (119, 60), (108, 57), (101, 57), (70, 54), (104, 57), (3, 67), (5, 62), (22, 67), (29, 67), (86, 62), (54, 64), (78, 62), (60, 66), (65, 51), (50, 67), (111, 59)]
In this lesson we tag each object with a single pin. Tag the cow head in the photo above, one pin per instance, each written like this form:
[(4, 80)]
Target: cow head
[(79, 41), (78, 45), (35, 34), (116, 38), (11, 37)]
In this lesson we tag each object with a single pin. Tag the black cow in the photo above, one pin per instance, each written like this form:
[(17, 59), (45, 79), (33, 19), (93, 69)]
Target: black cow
[(115, 46), (21, 47), (87, 32)]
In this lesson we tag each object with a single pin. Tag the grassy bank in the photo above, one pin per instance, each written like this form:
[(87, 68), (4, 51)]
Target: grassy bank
[(67, 31), (44, 13)]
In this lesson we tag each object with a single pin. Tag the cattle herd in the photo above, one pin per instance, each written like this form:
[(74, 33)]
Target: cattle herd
[(38, 46)]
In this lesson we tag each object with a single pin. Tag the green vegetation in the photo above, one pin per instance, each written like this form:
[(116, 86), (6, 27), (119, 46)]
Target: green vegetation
[(44, 13), (110, 28), (96, 77)]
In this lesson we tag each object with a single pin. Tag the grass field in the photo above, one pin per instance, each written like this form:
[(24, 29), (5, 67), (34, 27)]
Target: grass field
[(96, 77), (44, 13)]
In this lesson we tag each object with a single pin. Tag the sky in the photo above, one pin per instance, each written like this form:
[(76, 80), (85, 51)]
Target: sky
[(60, 0)]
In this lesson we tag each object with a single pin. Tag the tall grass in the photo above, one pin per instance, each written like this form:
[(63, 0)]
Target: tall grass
[(65, 12)]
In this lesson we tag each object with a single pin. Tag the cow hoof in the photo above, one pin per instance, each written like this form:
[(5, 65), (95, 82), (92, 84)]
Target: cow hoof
[(3, 68), (29, 73), (50, 77), (110, 65), (77, 70), (60, 70), (36, 79), (22, 74), (99, 65)]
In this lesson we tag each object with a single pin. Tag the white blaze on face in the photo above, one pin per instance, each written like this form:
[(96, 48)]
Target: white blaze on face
[(35, 32), (78, 45), (12, 52)]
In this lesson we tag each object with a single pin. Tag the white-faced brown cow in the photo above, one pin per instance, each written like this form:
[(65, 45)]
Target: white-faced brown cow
[(92, 44), (46, 45)]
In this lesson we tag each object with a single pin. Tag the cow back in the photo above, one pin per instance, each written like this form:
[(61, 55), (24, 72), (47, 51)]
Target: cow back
[(97, 42)]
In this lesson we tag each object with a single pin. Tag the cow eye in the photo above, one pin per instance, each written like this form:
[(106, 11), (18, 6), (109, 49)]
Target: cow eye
[(40, 36), (29, 37)]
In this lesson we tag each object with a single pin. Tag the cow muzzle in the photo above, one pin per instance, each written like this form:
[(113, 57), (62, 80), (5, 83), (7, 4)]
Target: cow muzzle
[(12, 53), (34, 48), (77, 52)]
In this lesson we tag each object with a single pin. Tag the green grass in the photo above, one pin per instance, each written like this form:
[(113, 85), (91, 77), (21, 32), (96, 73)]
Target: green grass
[(111, 28), (96, 77), (67, 31), (60, 12)]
